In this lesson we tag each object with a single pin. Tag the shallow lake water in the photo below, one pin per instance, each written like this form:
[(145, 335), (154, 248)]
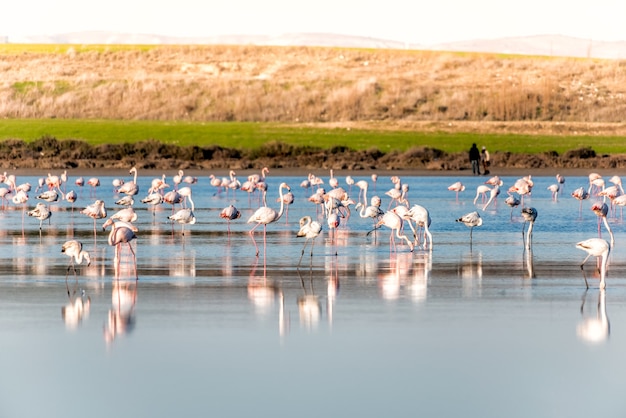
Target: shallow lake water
[(487, 329)]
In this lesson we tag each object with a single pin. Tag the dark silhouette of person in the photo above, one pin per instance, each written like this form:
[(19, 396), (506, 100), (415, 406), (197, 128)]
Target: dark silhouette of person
[(474, 157)]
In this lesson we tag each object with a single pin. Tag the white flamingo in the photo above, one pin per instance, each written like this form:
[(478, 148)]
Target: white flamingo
[(266, 215), (596, 247)]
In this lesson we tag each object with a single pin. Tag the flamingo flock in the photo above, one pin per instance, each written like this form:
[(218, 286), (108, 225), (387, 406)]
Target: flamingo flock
[(333, 208)]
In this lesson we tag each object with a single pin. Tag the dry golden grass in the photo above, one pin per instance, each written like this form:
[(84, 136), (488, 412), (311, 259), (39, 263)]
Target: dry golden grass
[(400, 89)]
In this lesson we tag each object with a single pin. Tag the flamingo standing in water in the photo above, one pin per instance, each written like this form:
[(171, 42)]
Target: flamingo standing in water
[(266, 215), (493, 194), (554, 189), (309, 229), (421, 217), (482, 190), (41, 212), (185, 215), (529, 214), (457, 187), (596, 247), (394, 222), (121, 232), (95, 211), (130, 188), (230, 213), (601, 210), (580, 194), (74, 250), (512, 202), (471, 220)]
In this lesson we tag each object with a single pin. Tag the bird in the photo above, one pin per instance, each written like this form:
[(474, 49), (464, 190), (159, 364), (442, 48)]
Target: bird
[(130, 188), (482, 190), (41, 212), (230, 213), (529, 214), (153, 199), (49, 196), (309, 229), (74, 250), (493, 194), (93, 182), (96, 210), (596, 247), (394, 222), (512, 202), (185, 215), (125, 201), (373, 212), (457, 187), (121, 232), (601, 210), (362, 185), (288, 198), (266, 215), (554, 189), (471, 220), (580, 194), (421, 217), (71, 197), (126, 215)]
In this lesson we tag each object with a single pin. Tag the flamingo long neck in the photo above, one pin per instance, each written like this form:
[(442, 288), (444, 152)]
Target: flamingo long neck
[(605, 259), (135, 176), (362, 212), (529, 234), (404, 237), (608, 228), (192, 205), (282, 203), (79, 256)]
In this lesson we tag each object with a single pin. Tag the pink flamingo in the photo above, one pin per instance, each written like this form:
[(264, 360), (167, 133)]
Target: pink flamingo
[(580, 194), (230, 213), (601, 210), (596, 247), (121, 232), (394, 222), (266, 215), (74, 250), (457, 187), (471, 220)]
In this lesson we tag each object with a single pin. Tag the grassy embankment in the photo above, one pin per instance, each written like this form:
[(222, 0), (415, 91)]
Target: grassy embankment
[(310, 96)]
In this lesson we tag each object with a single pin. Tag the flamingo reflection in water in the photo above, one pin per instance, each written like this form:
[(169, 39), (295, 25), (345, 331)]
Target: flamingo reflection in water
[(76, 309), (121, 315), (595, 329), (309, 306)]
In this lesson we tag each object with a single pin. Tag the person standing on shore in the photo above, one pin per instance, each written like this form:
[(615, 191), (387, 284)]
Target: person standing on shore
[(485, 159), (474, 157)]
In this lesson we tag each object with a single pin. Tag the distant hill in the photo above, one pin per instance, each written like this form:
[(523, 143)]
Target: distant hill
[(548, 45)]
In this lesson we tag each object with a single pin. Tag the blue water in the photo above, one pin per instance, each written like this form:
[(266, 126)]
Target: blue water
[(209, 329)]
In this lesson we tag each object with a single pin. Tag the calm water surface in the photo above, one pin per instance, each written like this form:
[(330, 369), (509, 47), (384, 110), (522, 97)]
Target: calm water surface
[(209, 329)]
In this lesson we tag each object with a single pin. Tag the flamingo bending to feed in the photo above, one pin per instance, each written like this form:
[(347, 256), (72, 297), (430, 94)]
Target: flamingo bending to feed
[(309, 229), (421, 217), (394, 222), (74, 250), (266, 215), (596, 247), (529, 215)]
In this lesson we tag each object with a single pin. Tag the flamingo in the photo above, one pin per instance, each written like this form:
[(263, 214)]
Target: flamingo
[(130, 188), (373, 212), (495, 181), (601, 210), (93, 182), (362, 185), (529, 214), (621, 202), (333, 181), (580, 194), (121, 232), (471, 220), (560, 179), (95, 211), (125, 201), (457, 187), (394, 222), (71, 197), (421, 217), (157, 185), (374, 179), (493, 194), (522, 187), (482, 190), (554, 189), (266, 215), (309, 229), (80, 182), (288, 199), (512, 202), (3, 195), (49, 196), (230, 213), (177, 179), (74, 250), (596, 247), (594, 180), (173, 198), (117, 183), (154, 199), (350, 183), (41, 212), (616, 180), (126, 215), (185, 215)]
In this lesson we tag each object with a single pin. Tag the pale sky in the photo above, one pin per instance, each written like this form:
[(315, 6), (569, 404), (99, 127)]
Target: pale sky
[(424, 22)]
